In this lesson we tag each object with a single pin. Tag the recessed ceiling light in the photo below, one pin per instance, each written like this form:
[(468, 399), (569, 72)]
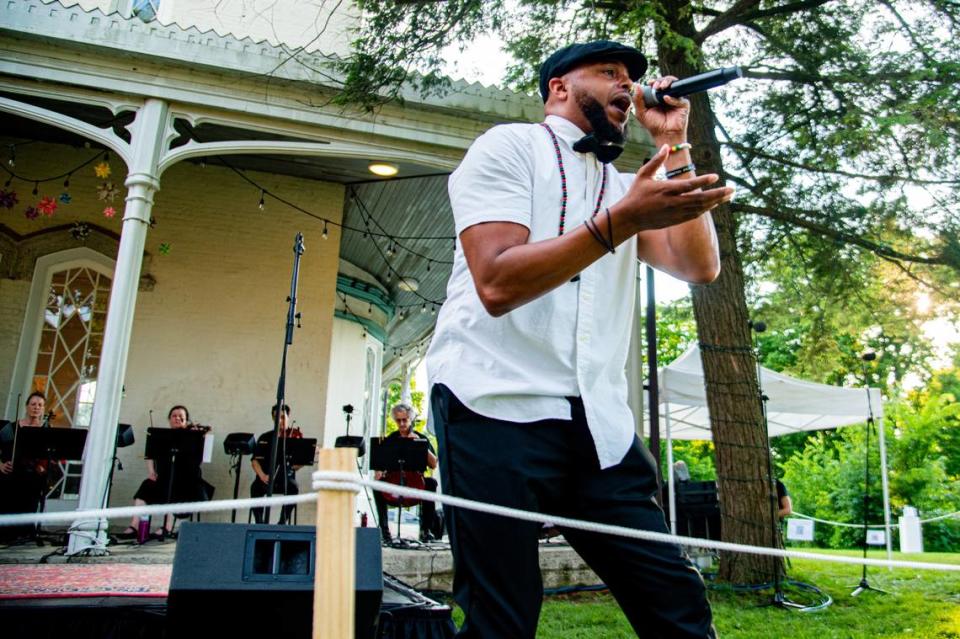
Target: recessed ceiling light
[(408, 284), (383, 169)]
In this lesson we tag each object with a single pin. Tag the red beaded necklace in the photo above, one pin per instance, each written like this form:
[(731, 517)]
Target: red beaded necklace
[(563, 181)]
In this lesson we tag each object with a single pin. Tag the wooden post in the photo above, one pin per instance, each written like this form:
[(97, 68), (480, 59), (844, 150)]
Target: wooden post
[(334, 576)]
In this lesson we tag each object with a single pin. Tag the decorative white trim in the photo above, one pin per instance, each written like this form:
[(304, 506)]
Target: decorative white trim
[(315, 149), (61, 121), (47, 265)]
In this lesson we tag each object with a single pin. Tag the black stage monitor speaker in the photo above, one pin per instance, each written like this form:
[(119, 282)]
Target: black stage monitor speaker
[(244, 580)]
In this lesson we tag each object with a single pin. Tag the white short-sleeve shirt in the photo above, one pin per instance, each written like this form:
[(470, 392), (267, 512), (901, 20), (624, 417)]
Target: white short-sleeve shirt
[(571, 341)]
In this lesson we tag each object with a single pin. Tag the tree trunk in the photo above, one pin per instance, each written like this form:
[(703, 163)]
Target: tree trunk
[(744, 481)]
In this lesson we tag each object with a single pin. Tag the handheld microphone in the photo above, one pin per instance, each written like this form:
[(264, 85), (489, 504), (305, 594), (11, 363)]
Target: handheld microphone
[(693, 84)]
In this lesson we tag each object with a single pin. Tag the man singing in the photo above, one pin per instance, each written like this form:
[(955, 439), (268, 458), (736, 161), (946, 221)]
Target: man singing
[(529, 394)]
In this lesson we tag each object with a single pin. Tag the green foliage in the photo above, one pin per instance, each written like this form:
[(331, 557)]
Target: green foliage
[(826, 476)]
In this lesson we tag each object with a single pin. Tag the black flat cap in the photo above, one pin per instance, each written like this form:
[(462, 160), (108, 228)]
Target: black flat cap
[(573, 55)]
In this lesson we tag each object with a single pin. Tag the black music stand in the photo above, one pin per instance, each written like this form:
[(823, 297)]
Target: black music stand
[(173, 445), (298, 451), (399, 454), (50, 444), (237, 445)]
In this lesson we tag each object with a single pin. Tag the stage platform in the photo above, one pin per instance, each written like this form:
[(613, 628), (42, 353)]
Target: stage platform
[(427, 567), (124, 593)]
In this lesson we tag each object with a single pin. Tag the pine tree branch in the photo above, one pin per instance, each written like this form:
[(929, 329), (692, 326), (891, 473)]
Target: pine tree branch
[(803, 77), (801, 219), (738, 14), (725, 20), (753, 152)]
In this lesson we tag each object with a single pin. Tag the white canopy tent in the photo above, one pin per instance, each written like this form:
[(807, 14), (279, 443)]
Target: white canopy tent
[(794, 406)]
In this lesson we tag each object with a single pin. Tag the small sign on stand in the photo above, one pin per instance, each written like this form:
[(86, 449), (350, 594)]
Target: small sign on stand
[(799, 529), (876, 538)]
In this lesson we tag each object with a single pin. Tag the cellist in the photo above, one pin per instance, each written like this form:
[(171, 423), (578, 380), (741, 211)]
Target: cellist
[(405, 415)]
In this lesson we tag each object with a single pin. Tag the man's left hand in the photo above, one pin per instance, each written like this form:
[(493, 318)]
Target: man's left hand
[(667, 123)]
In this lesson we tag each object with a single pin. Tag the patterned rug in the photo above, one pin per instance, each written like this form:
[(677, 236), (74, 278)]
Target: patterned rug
[(19, 581)]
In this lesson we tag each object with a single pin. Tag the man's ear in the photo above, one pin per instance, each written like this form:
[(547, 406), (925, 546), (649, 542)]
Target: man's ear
[(558, 88)]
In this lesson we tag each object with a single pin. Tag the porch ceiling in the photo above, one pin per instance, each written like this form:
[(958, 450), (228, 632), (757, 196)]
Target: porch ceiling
[(415, 211)]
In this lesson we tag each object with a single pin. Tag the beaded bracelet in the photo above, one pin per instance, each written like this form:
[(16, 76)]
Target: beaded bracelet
[(680, 171), (683, 146)]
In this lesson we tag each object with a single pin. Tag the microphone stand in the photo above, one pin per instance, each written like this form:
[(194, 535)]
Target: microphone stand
[(282, 381), (779, 600), (864, 584)]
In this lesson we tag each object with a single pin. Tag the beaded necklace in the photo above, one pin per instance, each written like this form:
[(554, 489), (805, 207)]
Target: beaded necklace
[(563, 181)]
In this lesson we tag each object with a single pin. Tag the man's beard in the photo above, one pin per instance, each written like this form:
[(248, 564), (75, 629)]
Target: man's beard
[(597, 117)]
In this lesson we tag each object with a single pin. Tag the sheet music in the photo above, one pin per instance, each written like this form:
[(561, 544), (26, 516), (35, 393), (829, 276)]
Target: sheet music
[(207, 448)]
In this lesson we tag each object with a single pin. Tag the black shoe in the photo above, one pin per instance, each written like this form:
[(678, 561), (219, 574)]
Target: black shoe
[(385, 537), (128, 534)]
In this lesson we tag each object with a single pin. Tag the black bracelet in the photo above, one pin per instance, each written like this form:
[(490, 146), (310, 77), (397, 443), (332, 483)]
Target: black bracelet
[(597, 235), (683, 169), (610, 231), (593, 231)]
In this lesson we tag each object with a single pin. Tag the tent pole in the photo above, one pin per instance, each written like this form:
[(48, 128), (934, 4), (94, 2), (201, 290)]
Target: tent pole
[(671, 478)]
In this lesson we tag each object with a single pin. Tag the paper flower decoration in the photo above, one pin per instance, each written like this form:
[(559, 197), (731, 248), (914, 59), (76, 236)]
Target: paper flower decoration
[(102, 170), (47, 206), (165, 248), (109, 211), (65, 198), (107, 192), (31, 213), (8, 199), (80, 231)]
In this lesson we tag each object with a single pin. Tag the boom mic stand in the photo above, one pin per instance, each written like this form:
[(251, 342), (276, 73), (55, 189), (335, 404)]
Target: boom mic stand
[(292, 315), (779, 600), (864, 584)]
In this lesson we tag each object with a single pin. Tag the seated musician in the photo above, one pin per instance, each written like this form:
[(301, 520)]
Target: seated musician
[(22, 481), (405, 415), (188, 483), (285, 478)]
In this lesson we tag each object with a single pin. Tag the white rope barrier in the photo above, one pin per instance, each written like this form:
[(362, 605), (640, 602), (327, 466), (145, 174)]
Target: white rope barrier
[(70, 516), (325, 479), (875, 526), (346, 481)]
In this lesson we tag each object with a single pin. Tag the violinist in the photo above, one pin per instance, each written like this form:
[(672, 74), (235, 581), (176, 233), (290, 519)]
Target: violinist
[(188, 482), (285, 478), (405, 415), (22, 480)]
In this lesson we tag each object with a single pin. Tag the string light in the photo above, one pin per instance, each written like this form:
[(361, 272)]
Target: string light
[(433, 309), (36, 188), (424, 309), (13, 156), (66, 182), (261, 199), (324, 235)]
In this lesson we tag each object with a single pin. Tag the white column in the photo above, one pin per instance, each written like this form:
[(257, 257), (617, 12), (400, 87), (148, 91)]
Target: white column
[(149, 131), (406, 395), (671, 479), (883, 475)]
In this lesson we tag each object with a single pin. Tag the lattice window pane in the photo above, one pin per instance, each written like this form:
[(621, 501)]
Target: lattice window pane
[(70, 343)]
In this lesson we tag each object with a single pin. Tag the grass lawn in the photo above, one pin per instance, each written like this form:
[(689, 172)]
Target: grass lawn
[(921, 604)]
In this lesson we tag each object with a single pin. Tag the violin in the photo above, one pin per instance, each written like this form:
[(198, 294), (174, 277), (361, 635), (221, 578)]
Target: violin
[(292, 433), (202, 428)]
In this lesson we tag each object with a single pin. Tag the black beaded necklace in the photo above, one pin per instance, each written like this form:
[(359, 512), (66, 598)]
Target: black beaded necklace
[(563, 181)]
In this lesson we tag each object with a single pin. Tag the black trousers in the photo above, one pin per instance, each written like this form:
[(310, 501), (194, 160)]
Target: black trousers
[(551, 466), (259, 489), (428, 510)]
